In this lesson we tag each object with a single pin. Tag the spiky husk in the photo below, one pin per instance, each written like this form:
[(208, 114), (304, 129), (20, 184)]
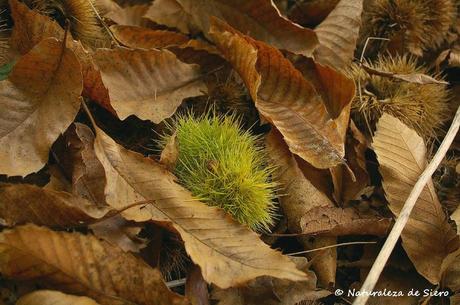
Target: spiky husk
[(5, 32), (82, 16), (173, 259), (225, 166), (228, 96), (422, 107), (410, 25)]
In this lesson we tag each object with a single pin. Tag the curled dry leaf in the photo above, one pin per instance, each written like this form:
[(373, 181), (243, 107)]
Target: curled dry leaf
[(338, 34), (170, 153), (298, 196), (333, 221), (81, 264), (272, 291), (171, 14), (283, 96), (130, 15), (106, 6), (228, 253), (337, 92), (150, 84), (416, 78), (428, 238), (259, 18), (196, 289), (74, 153), (419, 78), (347, 185), (311, 12), (188, 50), (50, 297), (139, 37), (451, 276), (120, 232), (25, 203), (30, 27), (39, 100)]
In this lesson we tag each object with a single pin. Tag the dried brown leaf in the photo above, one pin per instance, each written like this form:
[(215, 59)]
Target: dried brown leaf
[(416, 78), (120, 232), (171, 14), (427, 238), (346, 186), (150, 84), (335, 221), (170, 153), (25, 203), (283, 96), (269, 291), (190, 51), (419, 78), (196, 289), (30, 27), (106, 6), (228, 253), (130, 15), (50, 297), (298, 196), (74, 153), (338, 33), (40, 99), (81, 264), (144, 38), (311, 12), (259, 18), (451, 276)]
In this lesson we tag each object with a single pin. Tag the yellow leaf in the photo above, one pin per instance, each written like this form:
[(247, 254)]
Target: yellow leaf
[(427, 238), (228, 253), (81, 264), (39, 100), (283, 96), (150, 84)]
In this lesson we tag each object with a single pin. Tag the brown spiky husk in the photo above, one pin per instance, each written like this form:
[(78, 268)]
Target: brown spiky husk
[(423, 108), (410, 25), (226, 95), (173, 258), (82, 17)]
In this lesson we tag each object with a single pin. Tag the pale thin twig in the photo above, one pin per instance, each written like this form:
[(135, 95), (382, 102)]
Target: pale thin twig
[(361, 59), (403, 217)]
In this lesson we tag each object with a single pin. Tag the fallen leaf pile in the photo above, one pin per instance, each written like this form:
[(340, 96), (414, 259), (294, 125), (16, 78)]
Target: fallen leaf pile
[(92, 213)]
